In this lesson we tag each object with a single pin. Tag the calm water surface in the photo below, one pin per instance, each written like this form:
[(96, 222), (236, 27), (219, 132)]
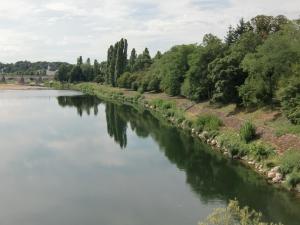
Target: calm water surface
[(67, 159)]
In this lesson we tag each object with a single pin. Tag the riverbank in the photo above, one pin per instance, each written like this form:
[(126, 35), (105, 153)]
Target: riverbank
[(269, 154), (20, 87)]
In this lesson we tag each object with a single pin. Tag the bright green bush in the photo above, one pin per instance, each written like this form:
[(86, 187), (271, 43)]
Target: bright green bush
[(208, 123), (290, 161), (247, 132)]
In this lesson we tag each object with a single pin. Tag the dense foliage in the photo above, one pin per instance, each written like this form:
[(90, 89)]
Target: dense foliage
[(82, 71), (255, 65)]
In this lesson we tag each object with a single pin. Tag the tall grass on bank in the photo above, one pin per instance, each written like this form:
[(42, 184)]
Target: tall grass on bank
[(169, 109), (208, 123), (247, 132), (290, 161)]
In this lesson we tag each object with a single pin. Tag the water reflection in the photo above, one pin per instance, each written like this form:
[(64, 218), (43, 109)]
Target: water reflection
[(82, 103), (116, 124), (210, 176)]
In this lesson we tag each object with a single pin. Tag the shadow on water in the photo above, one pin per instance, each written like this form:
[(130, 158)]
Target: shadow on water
[(210, 175)]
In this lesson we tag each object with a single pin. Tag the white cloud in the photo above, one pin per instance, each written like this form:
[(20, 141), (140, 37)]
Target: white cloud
[(61, 30)]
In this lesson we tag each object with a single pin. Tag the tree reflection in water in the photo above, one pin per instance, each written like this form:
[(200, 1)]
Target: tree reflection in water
[(211, 176), (83, 103), (116, 124)]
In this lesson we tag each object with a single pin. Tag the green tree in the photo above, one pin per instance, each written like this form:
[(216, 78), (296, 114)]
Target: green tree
[(226, 72), (173, 67), (269, 64), (79, 61), (87, 72), (290, 95), (88, 61), (76, 74), (143, 61), (157, 56), (197, 85), (116, 61), (62, 74), (265, 25), (233, 34), (132, 60)]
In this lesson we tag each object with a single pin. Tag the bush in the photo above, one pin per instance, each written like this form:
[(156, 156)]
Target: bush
[(154, 84), (290, 161), (208, 123), (293, 179), (235, 146), (247, 132), (126, 80), (260, 151), (135, 86), (236, 150), (99, 79)]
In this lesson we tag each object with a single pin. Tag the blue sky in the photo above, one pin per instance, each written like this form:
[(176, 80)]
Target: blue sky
[(56, 30)]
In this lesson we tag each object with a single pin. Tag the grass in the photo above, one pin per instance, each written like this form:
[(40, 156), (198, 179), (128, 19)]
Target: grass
[(247, 132), (290, 161), (207, 123), (284, 126), (264, 117), (168, 108), (256, 150)]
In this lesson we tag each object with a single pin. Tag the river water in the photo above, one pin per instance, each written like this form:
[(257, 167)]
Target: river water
[(69, 159)]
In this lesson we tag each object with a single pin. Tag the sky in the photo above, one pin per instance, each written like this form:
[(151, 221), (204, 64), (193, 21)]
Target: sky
[(61, 30)]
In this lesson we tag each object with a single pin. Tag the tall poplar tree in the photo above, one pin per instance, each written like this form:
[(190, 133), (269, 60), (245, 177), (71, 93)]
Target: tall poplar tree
[(116, 61), (132, 60)]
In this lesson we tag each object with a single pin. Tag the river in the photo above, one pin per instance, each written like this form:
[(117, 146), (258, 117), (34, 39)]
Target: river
[(70, 159)]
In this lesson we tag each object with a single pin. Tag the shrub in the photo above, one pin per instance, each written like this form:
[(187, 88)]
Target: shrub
[(135, 86), (154, 84), (235, 146), (126, 80), (247, 132), (260, 151), (208, 123), (238, 149), (99, 79), (293, 179), (141, 90), (290, 161)]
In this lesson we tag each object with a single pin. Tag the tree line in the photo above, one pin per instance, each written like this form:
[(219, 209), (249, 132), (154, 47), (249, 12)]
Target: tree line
[(256, 64), (29, 68)]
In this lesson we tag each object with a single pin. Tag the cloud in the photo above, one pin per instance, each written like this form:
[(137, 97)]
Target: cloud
[(62, 30)]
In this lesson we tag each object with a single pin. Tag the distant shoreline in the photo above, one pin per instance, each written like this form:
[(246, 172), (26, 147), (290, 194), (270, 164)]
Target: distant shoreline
[(20, 87)]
